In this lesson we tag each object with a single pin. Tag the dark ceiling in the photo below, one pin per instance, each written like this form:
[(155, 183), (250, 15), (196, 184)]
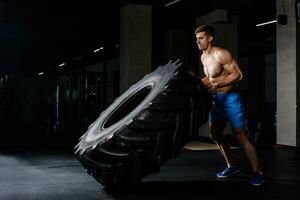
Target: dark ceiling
[(38, 35)]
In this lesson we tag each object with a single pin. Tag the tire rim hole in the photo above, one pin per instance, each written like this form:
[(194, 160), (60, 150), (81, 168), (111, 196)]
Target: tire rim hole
[(127, 106)]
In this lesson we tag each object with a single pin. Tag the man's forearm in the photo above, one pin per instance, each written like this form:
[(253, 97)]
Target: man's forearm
[(206, 82), (230, 80)]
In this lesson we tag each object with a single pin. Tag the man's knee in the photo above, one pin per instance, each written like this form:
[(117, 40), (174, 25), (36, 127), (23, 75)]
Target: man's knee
[(216, 133), (214, 136), (240, 136)]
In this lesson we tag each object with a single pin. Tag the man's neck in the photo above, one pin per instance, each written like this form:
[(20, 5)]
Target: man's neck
[(208, 50)]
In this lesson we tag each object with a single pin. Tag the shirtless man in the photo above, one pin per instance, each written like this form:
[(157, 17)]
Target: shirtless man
[(222, 72)]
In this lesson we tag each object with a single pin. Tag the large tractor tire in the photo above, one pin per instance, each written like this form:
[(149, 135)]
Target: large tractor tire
[(143, 128)]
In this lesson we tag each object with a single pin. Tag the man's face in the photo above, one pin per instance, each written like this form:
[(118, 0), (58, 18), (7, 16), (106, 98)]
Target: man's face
[(203, 40)]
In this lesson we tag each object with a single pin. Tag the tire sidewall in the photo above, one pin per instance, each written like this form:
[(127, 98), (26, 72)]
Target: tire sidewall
[(157, 80)]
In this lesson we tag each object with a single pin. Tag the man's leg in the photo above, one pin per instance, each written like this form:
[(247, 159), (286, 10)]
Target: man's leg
[(250, 151), (249, 148), (216, 131)]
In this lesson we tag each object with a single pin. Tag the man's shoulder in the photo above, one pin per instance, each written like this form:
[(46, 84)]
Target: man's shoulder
[(220, 49), (221, 52)]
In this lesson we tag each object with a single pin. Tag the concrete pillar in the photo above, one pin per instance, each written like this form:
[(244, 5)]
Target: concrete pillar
[(135, 44), (287, 99), (226, 36)]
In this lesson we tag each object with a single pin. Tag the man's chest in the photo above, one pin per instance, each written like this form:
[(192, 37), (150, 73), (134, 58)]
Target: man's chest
[(211, 67)]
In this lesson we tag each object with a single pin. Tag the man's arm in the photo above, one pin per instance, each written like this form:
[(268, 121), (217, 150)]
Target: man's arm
[(231, 68), (206, 82)]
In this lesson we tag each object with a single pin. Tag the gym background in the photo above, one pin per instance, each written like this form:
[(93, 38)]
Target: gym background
[(63, 63)]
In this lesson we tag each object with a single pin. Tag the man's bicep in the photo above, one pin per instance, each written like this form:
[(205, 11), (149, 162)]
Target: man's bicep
[(231, 66), (234, 69)]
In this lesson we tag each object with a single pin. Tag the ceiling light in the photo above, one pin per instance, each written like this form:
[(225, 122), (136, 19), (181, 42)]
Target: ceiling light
[(62, 64), (96, 50), (77, 58), (265, 23), (171, 3)]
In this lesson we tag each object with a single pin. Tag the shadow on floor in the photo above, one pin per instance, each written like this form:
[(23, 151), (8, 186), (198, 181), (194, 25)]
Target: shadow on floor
[(57, 175), (207, 190)]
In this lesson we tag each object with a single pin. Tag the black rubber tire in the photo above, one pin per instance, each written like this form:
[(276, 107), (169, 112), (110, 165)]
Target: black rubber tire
[(143, 128)]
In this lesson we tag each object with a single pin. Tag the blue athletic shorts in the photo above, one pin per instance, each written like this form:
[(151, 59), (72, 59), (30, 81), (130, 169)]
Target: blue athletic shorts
[(227, 106)]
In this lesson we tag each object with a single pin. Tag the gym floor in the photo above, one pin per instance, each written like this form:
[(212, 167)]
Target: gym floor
[(29, 174)]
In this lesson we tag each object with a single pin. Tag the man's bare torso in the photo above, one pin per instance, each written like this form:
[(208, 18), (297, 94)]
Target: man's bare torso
[(214, 70)]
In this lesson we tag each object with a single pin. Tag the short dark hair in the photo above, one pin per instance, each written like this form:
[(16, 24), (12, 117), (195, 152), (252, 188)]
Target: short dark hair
[(207, 29)]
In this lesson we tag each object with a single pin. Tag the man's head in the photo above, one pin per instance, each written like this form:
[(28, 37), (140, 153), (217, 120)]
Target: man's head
[(204, 35), (209, 30)]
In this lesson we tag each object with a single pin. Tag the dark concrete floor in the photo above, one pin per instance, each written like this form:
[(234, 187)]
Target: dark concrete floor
[(57, 175)]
